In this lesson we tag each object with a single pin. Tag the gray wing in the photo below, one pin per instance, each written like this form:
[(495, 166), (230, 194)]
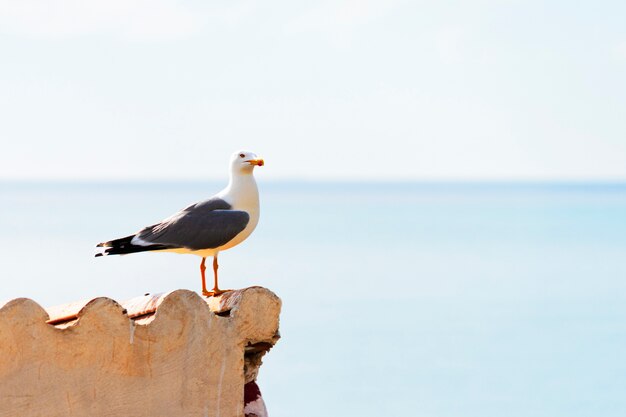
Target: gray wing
[(205, 225)]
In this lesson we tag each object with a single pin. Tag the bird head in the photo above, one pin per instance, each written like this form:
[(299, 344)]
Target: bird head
[(245, 161)]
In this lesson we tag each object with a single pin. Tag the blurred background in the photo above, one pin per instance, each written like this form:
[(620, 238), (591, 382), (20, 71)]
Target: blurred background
[(443, 201)]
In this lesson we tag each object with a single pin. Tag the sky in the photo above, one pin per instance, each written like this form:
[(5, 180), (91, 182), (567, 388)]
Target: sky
[(327, 90)]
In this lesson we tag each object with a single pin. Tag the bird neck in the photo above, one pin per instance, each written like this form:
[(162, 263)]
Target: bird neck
[(242, 192)]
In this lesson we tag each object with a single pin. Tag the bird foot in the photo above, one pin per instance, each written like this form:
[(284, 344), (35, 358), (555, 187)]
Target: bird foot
[(214, 293)]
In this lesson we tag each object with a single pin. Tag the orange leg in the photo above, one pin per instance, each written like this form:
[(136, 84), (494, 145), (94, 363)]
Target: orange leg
[(202, 269), (215, 266), (216, 290)]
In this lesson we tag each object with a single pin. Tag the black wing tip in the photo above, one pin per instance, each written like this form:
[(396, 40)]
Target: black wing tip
[(98, 254)]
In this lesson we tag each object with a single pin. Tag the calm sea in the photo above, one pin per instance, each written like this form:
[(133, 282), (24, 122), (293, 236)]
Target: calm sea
[(399, 299)]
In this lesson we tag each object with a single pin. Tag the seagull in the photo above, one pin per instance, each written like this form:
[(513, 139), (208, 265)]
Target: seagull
[(205, 228)]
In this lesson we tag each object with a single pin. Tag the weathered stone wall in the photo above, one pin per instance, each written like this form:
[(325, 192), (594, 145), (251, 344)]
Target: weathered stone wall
[(172, 355)]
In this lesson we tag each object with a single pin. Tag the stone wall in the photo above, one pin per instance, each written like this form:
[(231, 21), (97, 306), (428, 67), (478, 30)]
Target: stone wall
[(169, 355)]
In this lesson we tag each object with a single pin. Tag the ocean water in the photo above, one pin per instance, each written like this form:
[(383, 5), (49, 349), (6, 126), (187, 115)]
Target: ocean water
[(398, 298)]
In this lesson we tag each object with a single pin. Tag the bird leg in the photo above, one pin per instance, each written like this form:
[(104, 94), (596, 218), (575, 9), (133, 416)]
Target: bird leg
[(202, 269), (216, 290)]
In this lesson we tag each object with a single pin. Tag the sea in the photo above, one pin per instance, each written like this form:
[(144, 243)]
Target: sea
[(409, 298)]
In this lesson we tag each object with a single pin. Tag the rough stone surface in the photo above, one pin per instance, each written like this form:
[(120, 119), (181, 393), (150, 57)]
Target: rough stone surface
[(167, 355)]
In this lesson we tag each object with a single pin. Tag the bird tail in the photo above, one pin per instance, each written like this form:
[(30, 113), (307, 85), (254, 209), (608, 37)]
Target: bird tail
[(124, 246)]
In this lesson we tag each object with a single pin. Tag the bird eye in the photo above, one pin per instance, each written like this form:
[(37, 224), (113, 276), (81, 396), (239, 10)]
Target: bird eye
[(242, 155)]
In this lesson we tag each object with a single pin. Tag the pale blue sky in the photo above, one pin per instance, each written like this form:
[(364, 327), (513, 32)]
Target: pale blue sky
[(138, 89)]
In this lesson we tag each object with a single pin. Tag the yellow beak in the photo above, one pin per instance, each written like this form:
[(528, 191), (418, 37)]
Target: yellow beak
[(258, 162)]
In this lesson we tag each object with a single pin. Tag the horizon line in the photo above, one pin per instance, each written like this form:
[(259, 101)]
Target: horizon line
[(274, 180)]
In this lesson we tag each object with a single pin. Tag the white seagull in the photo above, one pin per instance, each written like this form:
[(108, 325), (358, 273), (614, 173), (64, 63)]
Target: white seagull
[(205, 228)]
